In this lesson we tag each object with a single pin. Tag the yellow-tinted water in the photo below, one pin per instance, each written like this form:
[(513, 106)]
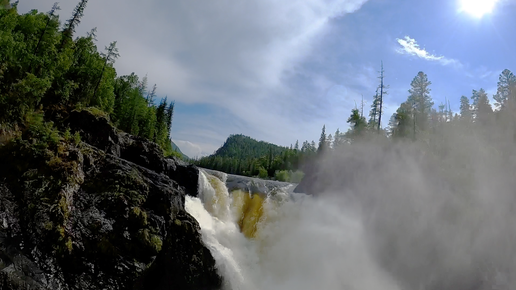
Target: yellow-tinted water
[(248, 210)]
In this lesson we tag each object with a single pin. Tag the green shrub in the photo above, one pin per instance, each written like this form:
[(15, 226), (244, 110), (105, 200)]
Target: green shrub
[(262, 172), (282, 175), (44, 132), (289, 176), (296, 176)]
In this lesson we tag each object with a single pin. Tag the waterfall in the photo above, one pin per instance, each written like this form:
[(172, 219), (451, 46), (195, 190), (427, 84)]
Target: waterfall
[(284, 241)]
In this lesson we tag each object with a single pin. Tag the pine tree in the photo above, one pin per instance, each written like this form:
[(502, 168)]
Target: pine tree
[(420, 100), (357, 124), (170, 116), (161, 116), (322, 141), (4, 4), (110, 56), (51, 16), (481, 107), (392, 125), (506, 91), (329, 141), (465, 109), (151, 95), (73, 22), (338, 139), (375, 110), (402, 121), (305, 146)]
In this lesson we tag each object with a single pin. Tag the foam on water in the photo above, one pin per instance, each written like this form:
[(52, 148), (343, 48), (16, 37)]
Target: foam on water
[(276, 242)]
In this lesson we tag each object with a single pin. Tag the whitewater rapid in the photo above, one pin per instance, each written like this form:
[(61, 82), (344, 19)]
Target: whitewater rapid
[(284, 241)]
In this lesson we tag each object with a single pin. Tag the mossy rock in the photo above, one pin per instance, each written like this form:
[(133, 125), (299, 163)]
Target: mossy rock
[(138, 217), (151, 243)]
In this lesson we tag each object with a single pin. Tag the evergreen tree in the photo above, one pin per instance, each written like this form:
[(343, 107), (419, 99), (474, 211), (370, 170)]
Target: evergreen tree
[(402, 122), (465, 109), (20, 89), (312, 146), (322, 141), (109, 57), (506, 90), (338, 139), (329, 141), (392, 125), (160, 131), (35, 73), (4, 4), (357, 125), (151, 95), (305, 146), (51, 16), (481, 108), (374, 112), (73, 22), (170, 116), (420, 100)]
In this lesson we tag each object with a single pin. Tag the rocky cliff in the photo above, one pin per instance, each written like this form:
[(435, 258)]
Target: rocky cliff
[(106, 212)]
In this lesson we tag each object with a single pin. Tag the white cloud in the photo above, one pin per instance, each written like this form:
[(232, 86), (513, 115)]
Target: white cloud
[(227, 53), (410, 46)]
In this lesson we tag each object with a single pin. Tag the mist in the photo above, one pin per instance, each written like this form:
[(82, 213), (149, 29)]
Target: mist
[(304, 244), (436, 213)]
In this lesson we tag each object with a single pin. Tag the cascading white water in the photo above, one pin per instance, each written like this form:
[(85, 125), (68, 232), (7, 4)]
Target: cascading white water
[(296, 243)]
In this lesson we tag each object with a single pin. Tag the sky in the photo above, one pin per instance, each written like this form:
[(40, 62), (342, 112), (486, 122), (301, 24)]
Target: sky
[(278, 71)]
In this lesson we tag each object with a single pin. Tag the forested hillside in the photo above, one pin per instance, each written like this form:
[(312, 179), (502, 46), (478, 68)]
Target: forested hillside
[(416, 119), (47, 71), (178, 150), (241, 146), (244, 155)]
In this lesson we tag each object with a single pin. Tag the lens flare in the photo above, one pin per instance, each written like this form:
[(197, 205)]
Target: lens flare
[(477, 8)]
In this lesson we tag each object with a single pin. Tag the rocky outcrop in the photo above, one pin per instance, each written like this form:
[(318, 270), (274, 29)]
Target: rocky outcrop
[(106, 213), (315, 181), (97, 131)]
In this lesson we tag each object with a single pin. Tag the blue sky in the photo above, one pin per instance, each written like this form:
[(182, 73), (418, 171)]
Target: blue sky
[(280, 70)]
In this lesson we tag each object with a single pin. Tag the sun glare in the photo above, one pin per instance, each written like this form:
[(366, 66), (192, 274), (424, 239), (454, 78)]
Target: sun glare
[(477, 8)]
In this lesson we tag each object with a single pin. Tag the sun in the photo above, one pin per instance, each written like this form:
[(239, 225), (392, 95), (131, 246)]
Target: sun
[(477, 8)]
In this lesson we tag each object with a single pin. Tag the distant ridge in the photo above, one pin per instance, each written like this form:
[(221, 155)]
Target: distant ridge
[(176, 148), (243, 155), (243, 147)]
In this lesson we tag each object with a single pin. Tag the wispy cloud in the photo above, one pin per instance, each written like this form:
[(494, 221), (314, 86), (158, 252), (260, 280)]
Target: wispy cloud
[(410, 46), (228, 55)]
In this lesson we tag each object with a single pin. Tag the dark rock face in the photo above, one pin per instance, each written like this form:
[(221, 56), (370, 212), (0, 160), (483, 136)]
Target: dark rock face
[(104, 215), (97, 132), (171, 265), (315, 181)]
